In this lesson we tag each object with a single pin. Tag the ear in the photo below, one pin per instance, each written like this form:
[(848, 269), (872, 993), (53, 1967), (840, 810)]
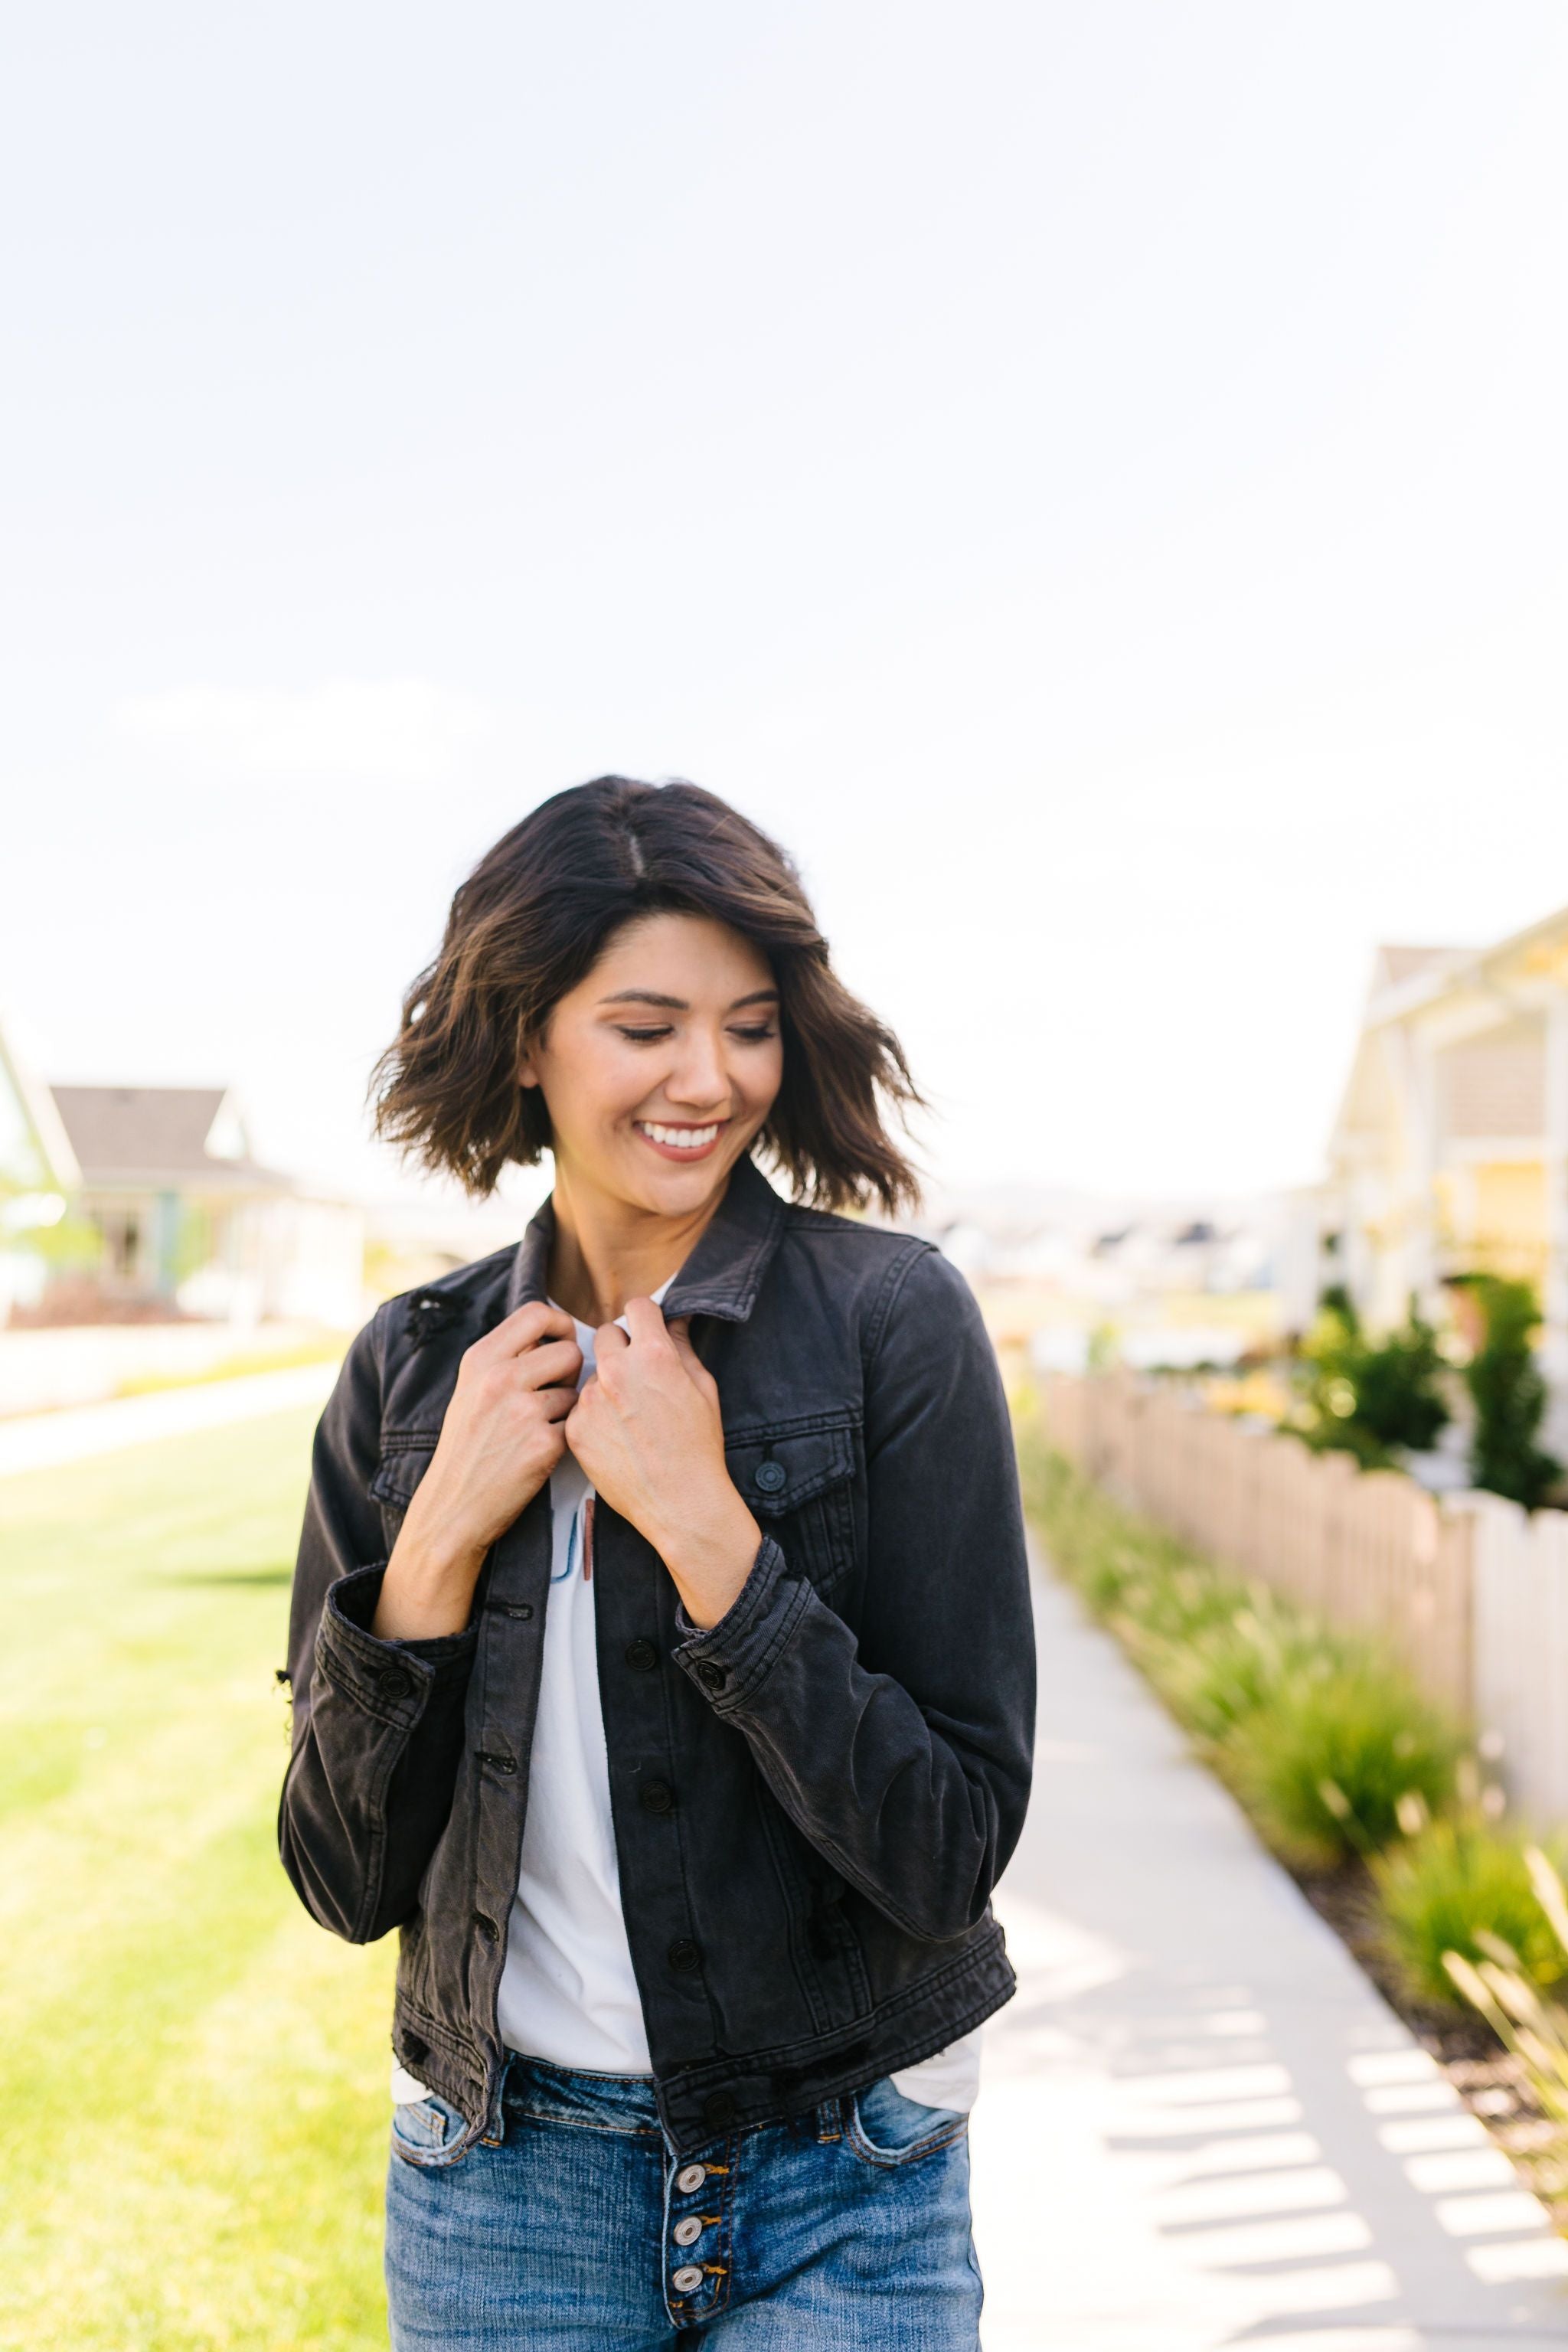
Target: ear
[(527, 1065)]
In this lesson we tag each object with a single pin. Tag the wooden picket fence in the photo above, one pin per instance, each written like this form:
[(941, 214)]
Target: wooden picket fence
[(1471, 1592)]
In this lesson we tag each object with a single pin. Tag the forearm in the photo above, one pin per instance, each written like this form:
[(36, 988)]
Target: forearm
[(427, 1590), (709, 1557)]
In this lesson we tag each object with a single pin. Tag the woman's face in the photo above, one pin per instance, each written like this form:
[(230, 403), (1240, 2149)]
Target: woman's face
[(660, 1066)]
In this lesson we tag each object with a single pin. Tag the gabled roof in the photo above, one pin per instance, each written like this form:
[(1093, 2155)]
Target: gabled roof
[(129, 1134), (1396, 963)]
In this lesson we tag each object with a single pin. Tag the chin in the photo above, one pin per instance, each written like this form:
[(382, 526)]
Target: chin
[(670, 1186)]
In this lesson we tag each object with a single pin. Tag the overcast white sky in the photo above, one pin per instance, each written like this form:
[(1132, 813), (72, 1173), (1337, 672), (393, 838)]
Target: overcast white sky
[(1092, 479)]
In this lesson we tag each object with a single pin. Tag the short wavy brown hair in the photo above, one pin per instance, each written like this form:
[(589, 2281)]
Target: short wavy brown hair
[(531, 920)]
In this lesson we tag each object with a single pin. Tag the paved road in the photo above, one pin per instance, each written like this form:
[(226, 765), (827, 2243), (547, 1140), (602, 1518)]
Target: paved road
[(1200, 2125), (38, 1441)]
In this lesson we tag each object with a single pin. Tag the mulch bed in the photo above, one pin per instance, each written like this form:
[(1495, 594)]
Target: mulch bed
[(1491, 2082)]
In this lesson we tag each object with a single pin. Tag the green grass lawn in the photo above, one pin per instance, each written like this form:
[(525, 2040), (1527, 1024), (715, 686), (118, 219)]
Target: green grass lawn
[(192, 2075)]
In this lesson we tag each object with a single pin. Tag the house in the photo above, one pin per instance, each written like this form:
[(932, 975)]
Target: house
[(134, 1203), (1449, 1153), (187, 1218)]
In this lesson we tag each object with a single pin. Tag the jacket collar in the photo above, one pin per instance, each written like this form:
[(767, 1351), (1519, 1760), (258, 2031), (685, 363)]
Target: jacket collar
[(721, 1276)]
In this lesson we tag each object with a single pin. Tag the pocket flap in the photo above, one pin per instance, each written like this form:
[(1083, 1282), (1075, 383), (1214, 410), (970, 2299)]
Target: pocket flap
[(404, 1462), (778, 1471)]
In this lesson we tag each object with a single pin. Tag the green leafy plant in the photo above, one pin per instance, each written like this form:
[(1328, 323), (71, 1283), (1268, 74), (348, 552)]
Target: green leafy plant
[(1509, 1394), (1461, 1885), (1370, 1397), (1325, 1767)]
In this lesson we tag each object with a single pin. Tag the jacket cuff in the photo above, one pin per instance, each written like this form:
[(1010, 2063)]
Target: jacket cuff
[(391, 1679), (731, 1660)]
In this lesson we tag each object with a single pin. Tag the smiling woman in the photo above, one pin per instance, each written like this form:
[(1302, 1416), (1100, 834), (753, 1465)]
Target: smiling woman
[(660, 1638)]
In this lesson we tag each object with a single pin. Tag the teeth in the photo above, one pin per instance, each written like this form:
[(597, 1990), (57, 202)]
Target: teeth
[(683, 1139)]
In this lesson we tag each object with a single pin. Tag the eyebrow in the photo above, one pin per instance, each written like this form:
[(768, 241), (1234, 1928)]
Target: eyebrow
[(679, 1004)]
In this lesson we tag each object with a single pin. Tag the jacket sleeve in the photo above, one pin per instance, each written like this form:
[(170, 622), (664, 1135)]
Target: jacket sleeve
[(904, 1755), (377, 1726)]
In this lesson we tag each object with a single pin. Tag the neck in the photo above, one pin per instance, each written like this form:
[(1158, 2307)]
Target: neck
[(605, 1251)]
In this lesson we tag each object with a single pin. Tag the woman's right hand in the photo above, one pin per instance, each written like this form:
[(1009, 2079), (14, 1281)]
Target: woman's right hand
[(500, 1439)]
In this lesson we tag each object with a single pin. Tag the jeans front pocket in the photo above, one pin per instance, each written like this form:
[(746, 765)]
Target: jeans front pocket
[(885, 2130), (424, 2130)]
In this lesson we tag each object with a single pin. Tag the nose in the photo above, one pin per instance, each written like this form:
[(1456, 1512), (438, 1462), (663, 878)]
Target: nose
[(698, 1080)]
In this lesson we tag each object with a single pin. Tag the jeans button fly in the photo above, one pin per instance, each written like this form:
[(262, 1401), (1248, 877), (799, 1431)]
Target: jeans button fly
[(687, 2232), (691, 2177), (687, 2279)]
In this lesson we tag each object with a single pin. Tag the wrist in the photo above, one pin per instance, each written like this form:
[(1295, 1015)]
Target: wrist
[(427, 1588), (711, 1559)]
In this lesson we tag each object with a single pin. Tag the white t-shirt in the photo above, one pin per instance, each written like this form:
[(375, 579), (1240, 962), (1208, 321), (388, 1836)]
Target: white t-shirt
[(568, 1992)]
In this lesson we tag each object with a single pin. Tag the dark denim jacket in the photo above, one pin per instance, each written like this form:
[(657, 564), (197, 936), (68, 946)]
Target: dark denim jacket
[(812, 1800)]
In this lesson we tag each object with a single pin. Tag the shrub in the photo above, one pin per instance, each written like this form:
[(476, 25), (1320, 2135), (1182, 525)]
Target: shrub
[(1508, 1394), (1324, 1766), (1370, 1398), (1443, 1890)]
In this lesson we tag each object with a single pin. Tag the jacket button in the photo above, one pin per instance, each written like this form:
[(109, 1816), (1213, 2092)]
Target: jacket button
[(684, 1956), (641, 1656), (522, 1612), (657, 1797), (712, 1674), (485, 1926), (395, 1682), (770, 1476), (720, 2110)]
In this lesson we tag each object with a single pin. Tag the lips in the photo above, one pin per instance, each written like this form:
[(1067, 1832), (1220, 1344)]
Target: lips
[(679, 1142)]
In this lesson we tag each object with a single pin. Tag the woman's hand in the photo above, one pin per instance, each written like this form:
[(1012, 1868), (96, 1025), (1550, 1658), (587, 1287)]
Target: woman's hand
[(504, 1433), (647, 1431)]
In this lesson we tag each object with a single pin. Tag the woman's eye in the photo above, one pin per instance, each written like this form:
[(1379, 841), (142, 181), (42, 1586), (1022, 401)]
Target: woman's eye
[(644, 1036), (754, 1036)]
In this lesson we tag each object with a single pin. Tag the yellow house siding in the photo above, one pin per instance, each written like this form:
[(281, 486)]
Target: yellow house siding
[(1496, 1218)]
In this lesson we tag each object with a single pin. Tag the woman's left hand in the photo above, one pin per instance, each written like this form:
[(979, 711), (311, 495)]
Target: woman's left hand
[(647, 1431)]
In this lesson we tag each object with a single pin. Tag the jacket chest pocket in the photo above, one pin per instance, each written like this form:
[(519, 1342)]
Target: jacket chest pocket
[(404, 1458), (798, 1479)]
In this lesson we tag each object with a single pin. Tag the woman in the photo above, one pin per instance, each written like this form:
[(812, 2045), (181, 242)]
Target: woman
[(660, 1640)]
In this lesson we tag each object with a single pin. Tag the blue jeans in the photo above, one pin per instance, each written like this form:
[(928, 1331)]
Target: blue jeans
[(846, 2229)]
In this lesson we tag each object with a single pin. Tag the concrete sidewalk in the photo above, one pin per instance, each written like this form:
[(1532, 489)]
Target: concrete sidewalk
[(1200, 2125), (41, 1441)]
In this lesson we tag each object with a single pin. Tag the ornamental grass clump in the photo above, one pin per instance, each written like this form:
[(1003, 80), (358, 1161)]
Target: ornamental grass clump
[(1461, 1885), (1325, 1768), (1257, 1650), (1322, 1737), (1525, 2021)]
